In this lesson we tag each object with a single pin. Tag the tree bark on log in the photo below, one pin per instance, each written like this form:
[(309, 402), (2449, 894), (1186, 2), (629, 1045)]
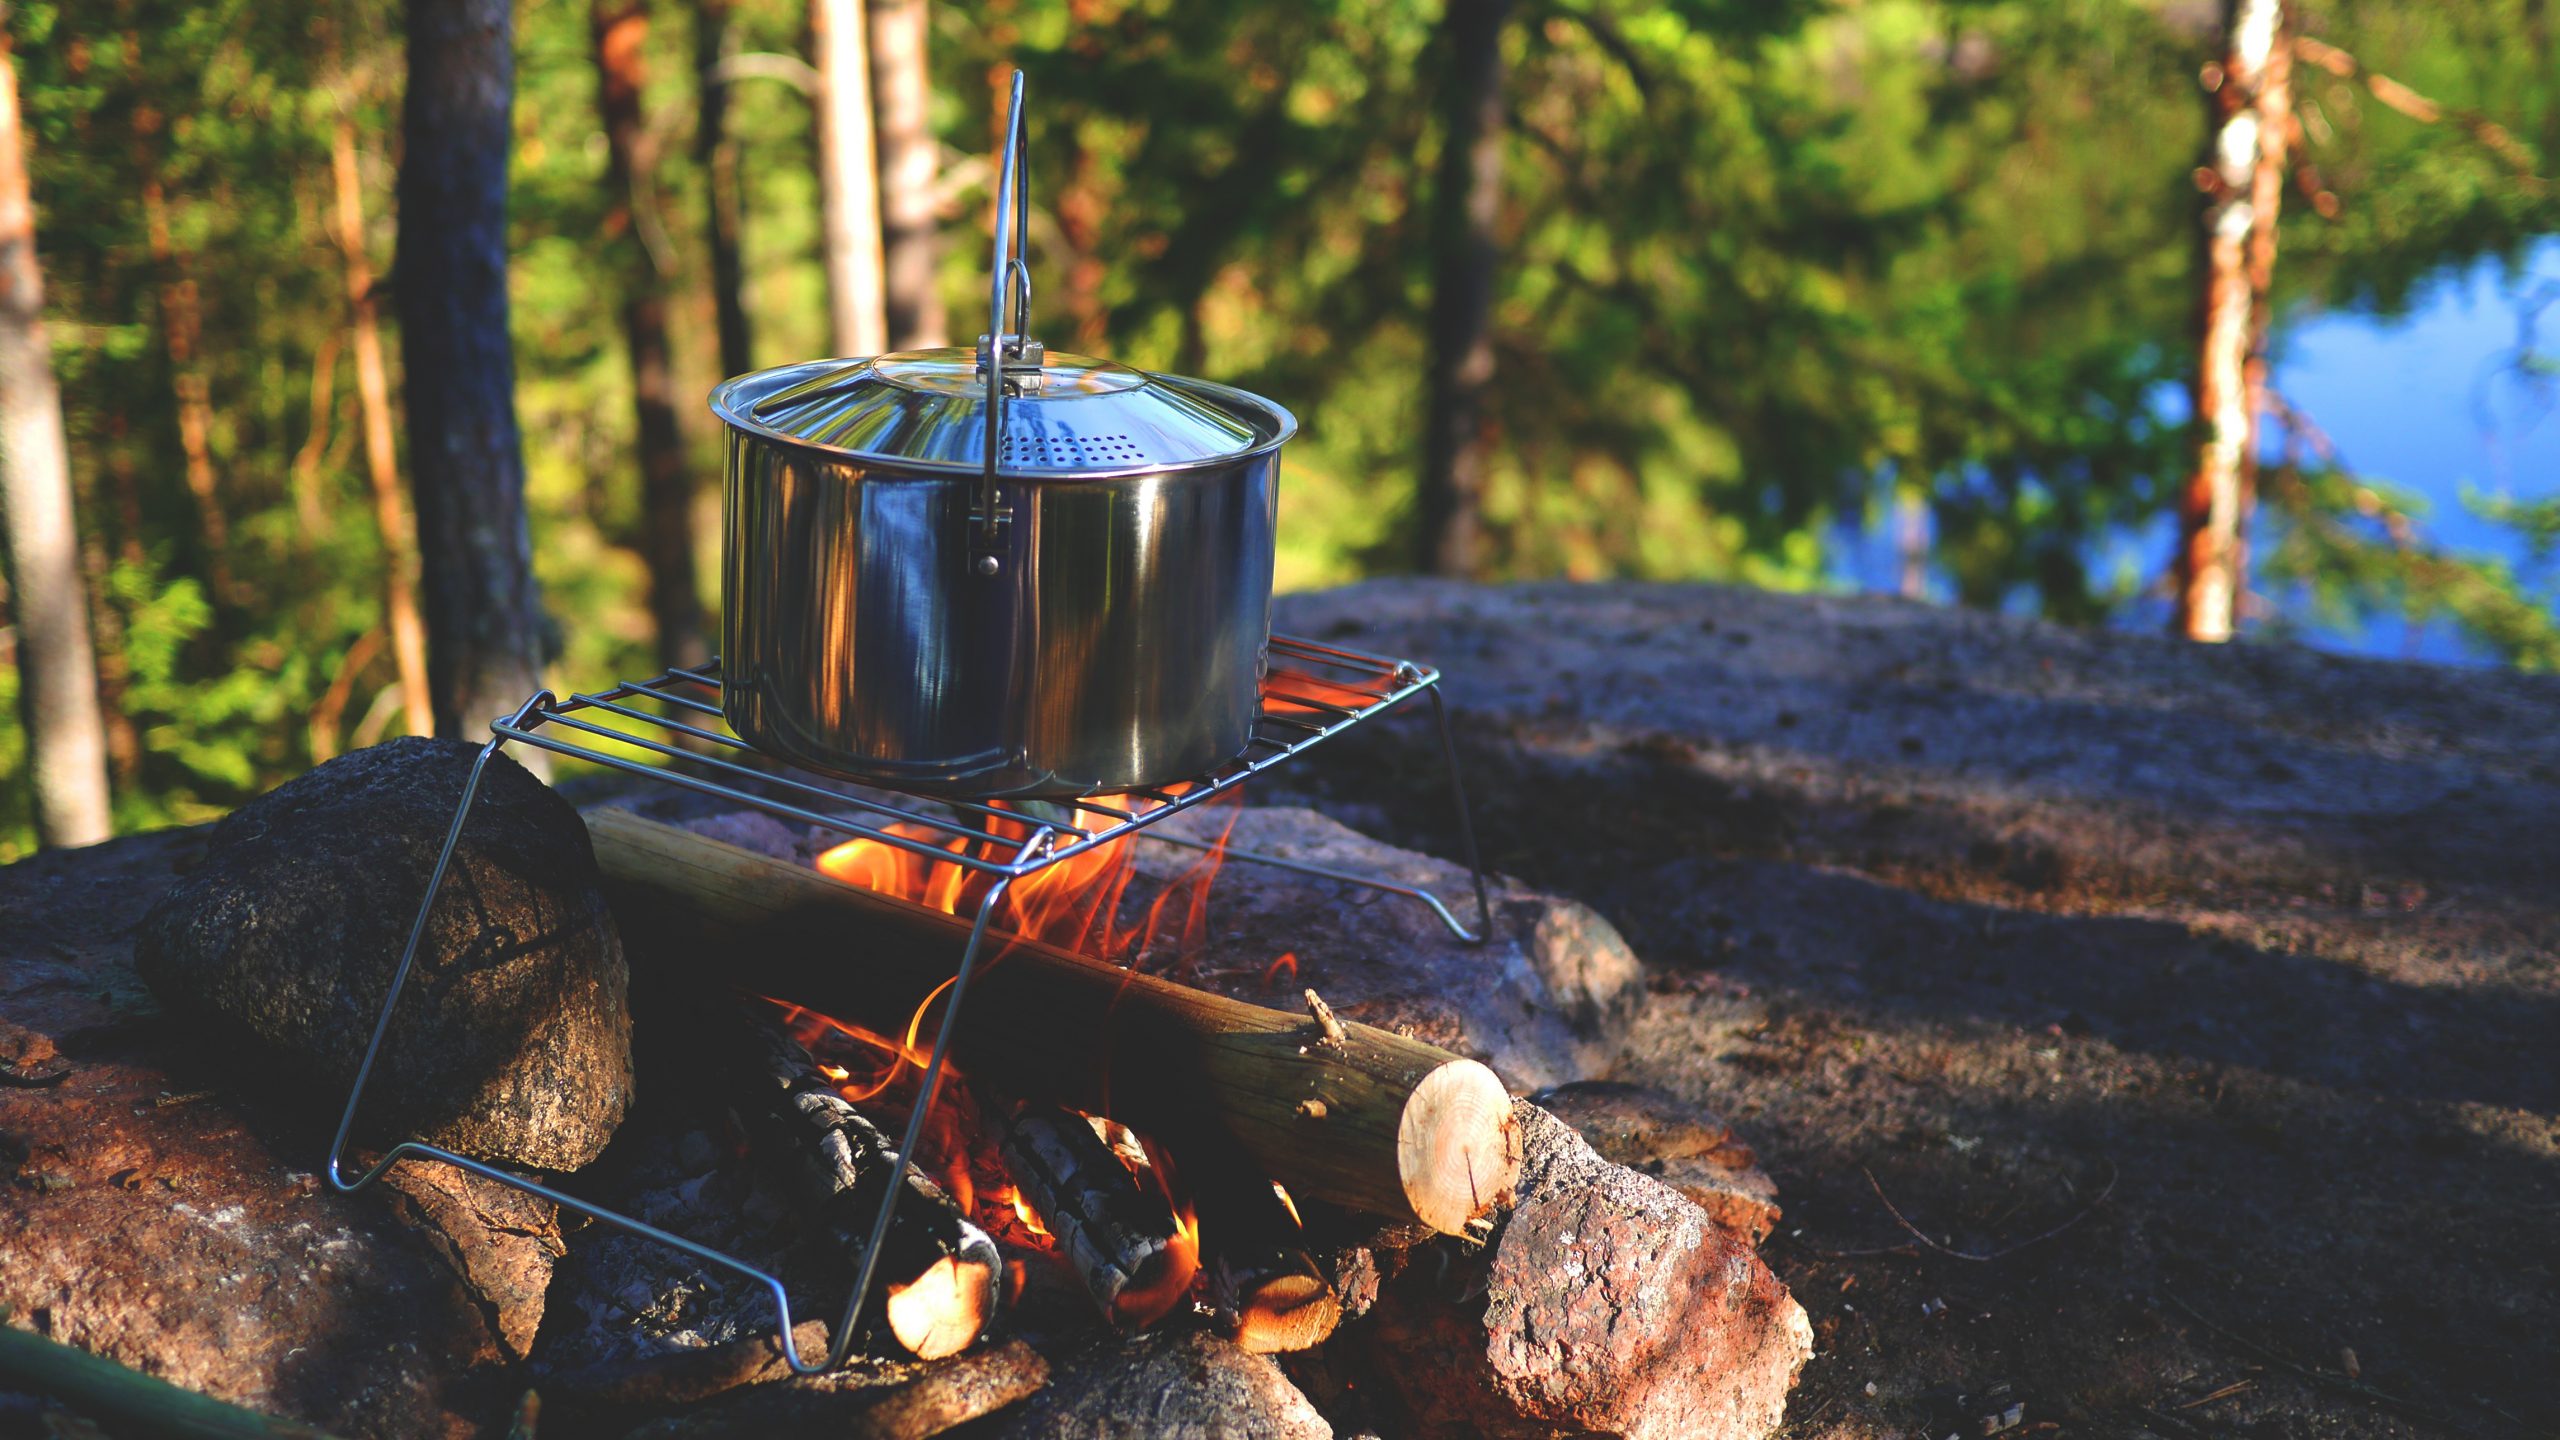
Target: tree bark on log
[(1466, 201), (848, 180), (1121, 1239), (940, 1275), (382, 465), (2249, 100), (621, 29), (910, 230), (57, 667), (487, 639), (1396, 1127)]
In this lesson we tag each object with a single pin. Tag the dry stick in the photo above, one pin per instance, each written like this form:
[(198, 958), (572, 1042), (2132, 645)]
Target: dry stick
[(949, 1394), (1119, 1237), (2005, 1251), (942, 1273), (2492, 136), (1405, 1130)]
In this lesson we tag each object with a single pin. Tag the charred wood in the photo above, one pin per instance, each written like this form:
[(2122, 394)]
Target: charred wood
[(1119, 1237), (941, 1274)]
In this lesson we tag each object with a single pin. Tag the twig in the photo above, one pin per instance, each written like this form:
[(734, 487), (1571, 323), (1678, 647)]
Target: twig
[(2004, 1252), (2489, 133), (2313, 1373)]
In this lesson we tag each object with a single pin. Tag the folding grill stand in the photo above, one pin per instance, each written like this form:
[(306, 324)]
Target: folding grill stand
[(1308, 697)]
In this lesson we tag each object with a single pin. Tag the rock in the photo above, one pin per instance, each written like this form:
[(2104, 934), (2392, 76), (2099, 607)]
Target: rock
[(1166, 1385), (1684, 1146), (184, 1233), (1611, 1305), (1967, 747), (1545, 1001), (513, 1038), (501, 1241)]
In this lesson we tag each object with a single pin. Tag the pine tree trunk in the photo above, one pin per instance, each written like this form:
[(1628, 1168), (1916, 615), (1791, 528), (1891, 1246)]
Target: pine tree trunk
[(382, 466), (487, 639), (910, 232), (666, 492), (1465, 204), (718, 155), (2242, 172), (848, 183), (57, 670)]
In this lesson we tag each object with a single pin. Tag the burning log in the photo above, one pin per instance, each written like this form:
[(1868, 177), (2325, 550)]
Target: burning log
[(1267, 1290), (1121, 1239), (941, 1272), (1351, 1115)]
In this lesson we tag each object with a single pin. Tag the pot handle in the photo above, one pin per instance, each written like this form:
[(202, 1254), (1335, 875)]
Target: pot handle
[(1002, 350)]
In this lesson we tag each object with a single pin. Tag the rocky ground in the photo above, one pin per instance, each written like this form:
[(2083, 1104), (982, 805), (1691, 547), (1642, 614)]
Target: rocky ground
[(2164, 1034), (2169, 1034)]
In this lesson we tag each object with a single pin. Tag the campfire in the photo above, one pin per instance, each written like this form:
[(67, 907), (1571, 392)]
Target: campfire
[(1141, 1233)]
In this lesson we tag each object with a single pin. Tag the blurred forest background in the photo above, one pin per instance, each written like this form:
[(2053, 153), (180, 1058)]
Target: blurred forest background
[(1760, 273)]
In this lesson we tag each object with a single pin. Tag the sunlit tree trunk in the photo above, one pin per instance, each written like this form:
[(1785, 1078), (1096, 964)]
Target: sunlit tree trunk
[(717, 153), (666, 490), (487, 639), (848, 177), (2250, 105), (57, 670), (382, 466), (910, 231), (1465, 206)]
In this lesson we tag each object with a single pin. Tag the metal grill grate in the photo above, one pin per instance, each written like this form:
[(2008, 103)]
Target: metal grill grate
[(668, 729)]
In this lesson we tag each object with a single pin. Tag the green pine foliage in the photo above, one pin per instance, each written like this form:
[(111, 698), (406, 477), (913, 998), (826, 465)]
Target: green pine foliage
[(1766, 268)]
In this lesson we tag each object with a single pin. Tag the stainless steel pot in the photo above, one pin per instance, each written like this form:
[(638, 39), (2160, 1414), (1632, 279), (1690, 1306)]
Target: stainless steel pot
[(999, 572)]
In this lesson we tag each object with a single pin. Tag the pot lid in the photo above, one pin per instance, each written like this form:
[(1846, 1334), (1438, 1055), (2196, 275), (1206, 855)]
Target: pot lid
[(1061, 414)]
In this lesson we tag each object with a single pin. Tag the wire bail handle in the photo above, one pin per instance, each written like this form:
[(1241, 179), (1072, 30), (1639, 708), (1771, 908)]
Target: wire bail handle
[(1004, 351)]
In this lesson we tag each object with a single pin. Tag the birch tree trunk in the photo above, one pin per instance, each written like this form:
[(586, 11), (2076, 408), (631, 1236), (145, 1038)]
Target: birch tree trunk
[(666, 493), (2250, 103), (57, 670), (1466, 202), (848, 182), (382, 465), (486, 635), (910, 232), (718, 156)]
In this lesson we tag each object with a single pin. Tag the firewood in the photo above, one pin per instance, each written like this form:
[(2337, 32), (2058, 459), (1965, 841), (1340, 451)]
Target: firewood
[(942, 1274), (1404, 1129), (1267, 1291), (1119, 1237), (942, 1397)]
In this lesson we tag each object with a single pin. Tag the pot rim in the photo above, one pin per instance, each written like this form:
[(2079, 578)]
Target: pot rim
[(1284, 426)]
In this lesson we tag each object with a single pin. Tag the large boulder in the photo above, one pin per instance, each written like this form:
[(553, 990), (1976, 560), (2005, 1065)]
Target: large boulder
[(512, 1041), (1605, 1303)]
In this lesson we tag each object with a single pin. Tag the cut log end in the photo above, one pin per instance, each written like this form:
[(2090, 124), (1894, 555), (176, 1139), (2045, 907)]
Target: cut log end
[(1287, 1313), (1458, 1146), (942, 1311)]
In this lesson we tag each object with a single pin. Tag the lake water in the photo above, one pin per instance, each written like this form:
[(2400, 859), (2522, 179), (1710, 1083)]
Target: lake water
[(2426, 402)]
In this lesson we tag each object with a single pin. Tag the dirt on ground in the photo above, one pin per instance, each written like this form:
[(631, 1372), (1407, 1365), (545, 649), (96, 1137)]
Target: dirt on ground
[(2168, 1035)]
